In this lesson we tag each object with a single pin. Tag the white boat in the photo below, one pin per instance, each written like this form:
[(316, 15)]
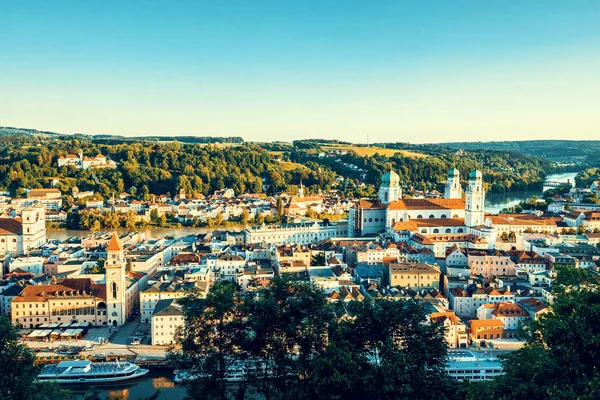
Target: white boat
[(85, 371)]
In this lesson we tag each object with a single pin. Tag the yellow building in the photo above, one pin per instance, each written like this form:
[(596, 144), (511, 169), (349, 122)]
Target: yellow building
[(414, 275), (67, 301)]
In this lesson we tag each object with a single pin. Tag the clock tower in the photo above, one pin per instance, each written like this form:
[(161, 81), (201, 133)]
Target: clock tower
[(115, 281)]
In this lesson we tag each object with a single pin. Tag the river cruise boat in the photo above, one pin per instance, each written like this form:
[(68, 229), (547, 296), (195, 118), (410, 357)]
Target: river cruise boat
[(88, 372)]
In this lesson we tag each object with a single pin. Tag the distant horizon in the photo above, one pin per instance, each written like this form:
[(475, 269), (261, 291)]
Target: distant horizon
[(279, 140), (395, 70)]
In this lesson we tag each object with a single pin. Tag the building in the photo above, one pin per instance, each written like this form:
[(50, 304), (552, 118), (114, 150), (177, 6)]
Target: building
[(66, 301), (463, 364), (302, 233), (25, 232), (446, 215), (414, 275), (81, 162), (488, 264), (455, 330), (465, 301), (510, 314), (115, 281), (452, 189), (486, 329), (166, 319), (35, 265), (164, 290)]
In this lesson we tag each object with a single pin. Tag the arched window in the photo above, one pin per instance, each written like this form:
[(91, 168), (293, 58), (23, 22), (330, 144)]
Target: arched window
[(431, 216), (387, 196), (114, 290), (460, 230), (436, 230), (423, 230), (455, 216), (448, 230), (443, 216), (419, 216), (477, 206), (393, 221)]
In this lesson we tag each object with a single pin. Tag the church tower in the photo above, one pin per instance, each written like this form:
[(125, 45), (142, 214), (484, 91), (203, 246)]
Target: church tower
[(475, 200), (115, 281), (390, 189), (453, 190)]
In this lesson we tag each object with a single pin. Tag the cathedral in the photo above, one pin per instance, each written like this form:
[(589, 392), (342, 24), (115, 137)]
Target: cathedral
[(390, 214)]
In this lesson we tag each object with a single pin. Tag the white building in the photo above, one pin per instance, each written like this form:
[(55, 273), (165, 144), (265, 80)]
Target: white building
[(35, 265), (24, 233), (166, 319), (301, 233)]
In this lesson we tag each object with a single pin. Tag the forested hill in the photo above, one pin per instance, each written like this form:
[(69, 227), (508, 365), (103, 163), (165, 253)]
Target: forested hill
[(114, 139), (28, 159), (585, 150)]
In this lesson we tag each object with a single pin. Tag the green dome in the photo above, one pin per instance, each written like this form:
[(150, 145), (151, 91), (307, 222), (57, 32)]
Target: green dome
[(475, 174), (453, 172), (390, 179)]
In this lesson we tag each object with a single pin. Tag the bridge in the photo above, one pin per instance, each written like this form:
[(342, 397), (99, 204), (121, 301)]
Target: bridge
[(556, 183)]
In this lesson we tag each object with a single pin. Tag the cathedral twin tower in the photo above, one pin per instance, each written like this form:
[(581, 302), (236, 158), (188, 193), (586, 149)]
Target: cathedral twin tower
[(390, 191)]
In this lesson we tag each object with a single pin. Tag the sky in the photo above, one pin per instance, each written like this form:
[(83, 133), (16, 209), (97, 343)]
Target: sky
[(377, 71)]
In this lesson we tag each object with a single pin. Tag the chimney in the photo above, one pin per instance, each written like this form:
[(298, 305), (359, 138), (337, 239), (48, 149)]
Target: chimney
[(508, 288)]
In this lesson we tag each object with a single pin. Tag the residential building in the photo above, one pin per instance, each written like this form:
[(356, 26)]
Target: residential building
[(167, 318), (414, 275)]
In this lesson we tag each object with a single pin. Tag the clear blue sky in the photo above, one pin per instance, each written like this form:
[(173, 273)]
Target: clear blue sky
[(419, 71)]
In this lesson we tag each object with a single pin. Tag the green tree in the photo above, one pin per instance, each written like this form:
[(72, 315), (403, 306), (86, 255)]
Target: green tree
[(210, 341), (245, 217), (279, 207), (560, 359), (18, 377)]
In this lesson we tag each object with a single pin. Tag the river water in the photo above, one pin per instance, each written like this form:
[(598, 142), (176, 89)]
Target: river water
[(494, 202), (155, 380)]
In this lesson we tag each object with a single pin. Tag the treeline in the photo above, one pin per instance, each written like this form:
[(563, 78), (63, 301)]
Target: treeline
[(502, 171), (293, 343), (146, 168), (585, 178), (583, 150)]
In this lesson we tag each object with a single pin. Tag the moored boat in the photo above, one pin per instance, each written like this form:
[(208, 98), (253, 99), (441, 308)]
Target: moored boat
[(86, 372)]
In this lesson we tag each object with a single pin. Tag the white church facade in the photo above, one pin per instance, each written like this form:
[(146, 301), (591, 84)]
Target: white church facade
[(393, 216)]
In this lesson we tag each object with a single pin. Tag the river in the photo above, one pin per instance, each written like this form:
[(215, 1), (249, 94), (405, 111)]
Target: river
[(494, 202), (155, 380)]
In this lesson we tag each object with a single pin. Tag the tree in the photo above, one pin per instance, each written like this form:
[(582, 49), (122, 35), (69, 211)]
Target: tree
[(154, 215), (18, 377), (245, 217), (279, 207), (162, 221), (219, 219), (210, 341), (560, 359)]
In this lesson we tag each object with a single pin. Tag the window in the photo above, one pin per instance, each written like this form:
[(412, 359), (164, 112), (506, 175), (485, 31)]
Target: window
[(114, 290)]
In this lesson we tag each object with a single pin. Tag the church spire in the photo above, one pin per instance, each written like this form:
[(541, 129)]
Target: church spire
[(115, 243)]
